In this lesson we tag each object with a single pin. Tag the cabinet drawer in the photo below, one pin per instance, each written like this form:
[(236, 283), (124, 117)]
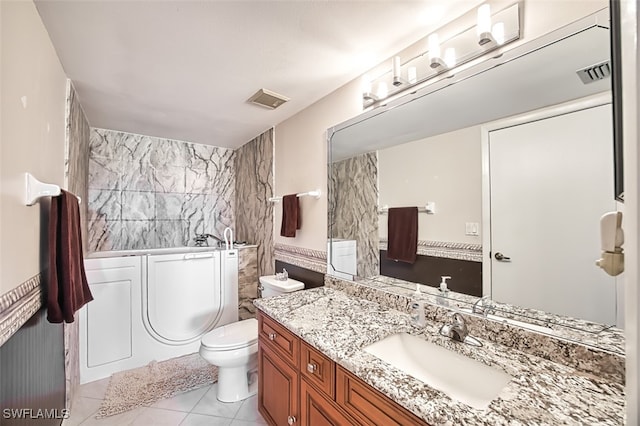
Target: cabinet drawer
[(318, 410), (369, 406), (275, 336), (318, 369)]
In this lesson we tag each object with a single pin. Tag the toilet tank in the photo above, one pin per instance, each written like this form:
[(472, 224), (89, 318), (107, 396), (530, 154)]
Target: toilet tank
[(272, 287)]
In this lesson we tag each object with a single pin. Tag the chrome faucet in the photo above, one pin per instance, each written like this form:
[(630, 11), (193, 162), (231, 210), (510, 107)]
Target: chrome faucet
[(202, 240), (457, 330), (483, 306)]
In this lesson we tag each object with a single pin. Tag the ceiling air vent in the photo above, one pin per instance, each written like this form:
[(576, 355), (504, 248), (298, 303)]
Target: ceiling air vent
[(268, 99), (595, 72)]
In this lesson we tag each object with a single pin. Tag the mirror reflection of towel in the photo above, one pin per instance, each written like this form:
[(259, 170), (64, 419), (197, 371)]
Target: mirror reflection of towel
[(402, 234), (290, 215), (68, 289)]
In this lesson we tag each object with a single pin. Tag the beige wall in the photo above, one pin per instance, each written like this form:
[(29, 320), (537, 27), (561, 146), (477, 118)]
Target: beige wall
[(300, 147), (445, 169), (32, 136), (300, 162)]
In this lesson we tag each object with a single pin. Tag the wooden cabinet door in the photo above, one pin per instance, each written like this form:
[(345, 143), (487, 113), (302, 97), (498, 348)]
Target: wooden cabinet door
[(317, 410), (319, 370), (369, 406), (277, 388)]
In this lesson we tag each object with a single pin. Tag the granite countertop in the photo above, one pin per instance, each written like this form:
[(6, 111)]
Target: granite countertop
[(540, 392)]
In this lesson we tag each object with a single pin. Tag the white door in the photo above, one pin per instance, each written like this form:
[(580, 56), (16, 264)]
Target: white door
[(551, 181)]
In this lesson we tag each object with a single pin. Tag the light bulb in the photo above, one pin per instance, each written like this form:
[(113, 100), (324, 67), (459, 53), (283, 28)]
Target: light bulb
[(434, 46), (484, 19), (383, 90), (450, 57), (412, 75), (498, 33)]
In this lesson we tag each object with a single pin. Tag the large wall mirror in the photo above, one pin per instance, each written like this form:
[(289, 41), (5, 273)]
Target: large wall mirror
[(510, 163)]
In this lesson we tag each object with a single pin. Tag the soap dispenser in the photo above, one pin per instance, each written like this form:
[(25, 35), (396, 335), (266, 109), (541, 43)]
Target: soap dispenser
[(443, 284), (444, 290)]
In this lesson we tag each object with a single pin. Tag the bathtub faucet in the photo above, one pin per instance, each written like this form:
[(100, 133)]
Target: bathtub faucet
[(202, 240)]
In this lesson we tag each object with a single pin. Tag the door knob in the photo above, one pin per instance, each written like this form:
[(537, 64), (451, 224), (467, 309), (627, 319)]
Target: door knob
[(311, 368), (501, 257), (272, 336), (291, 420)]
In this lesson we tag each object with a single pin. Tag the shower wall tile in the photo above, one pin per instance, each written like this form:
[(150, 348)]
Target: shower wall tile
[(247, 282), (105, 234), (198, 181), (104, 173), (353, 201), (105, 205), (254, 187), (167, 151), (169, 179), (136, 176), (139, 205), (77, 147), (171, 233), (181, 187), (170, 206), (138, 234)]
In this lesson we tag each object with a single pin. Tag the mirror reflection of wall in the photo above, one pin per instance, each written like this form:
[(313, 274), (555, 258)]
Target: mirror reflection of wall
[(353, 200), (429, 149), (444, 168)]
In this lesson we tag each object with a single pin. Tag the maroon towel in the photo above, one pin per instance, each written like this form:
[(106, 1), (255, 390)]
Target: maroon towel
[(402, 234), (68, 289), (290, 215)]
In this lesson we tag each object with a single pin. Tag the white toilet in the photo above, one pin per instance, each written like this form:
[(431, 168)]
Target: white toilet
[(234, 348), (270, 286)]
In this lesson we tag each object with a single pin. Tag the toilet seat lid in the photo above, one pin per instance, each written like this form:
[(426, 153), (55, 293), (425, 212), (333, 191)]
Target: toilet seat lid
[(232, 336)]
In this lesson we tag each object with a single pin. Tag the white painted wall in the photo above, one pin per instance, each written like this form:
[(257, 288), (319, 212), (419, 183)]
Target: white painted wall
[(32, 137), (445, 169), (300, 162)]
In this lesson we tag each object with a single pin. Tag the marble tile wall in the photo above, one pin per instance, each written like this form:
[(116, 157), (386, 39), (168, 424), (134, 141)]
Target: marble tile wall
[(247, 281), (147, 192), (76, 175), (353, 207), (254, 187)]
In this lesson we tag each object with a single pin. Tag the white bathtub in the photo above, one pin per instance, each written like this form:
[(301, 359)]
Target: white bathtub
[(153, 305)]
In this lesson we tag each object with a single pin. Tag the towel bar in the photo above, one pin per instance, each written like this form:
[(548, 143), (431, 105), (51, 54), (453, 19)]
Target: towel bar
[(430, 208), (34, 190), (315, 194)]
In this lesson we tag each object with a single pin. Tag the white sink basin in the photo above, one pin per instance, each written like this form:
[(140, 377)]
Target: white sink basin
[(459, 377)]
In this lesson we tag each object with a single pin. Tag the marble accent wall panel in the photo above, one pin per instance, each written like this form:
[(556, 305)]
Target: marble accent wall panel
[(76, 174), (147, 192), (353, 201), (247, 281), (254, 187)]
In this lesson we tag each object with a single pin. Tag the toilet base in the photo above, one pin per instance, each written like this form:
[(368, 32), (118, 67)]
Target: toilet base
[(237, 383)]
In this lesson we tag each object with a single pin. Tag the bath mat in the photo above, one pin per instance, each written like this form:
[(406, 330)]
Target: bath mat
[(157, 380)]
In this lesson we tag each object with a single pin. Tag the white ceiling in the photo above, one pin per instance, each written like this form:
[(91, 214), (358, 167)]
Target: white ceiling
[(184, 70)]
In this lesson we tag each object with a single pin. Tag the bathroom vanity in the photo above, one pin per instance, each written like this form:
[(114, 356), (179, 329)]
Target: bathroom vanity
[(315, 369)]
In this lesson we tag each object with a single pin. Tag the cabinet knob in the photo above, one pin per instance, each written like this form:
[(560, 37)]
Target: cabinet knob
[(272, 336), (311, 368), (291, 420)]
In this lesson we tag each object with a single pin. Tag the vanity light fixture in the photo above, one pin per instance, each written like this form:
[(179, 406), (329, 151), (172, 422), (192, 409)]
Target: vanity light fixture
[(416, 65), (486, 33)]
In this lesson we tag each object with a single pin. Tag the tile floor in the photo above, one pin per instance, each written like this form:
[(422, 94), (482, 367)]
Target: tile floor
[(195, 408)]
